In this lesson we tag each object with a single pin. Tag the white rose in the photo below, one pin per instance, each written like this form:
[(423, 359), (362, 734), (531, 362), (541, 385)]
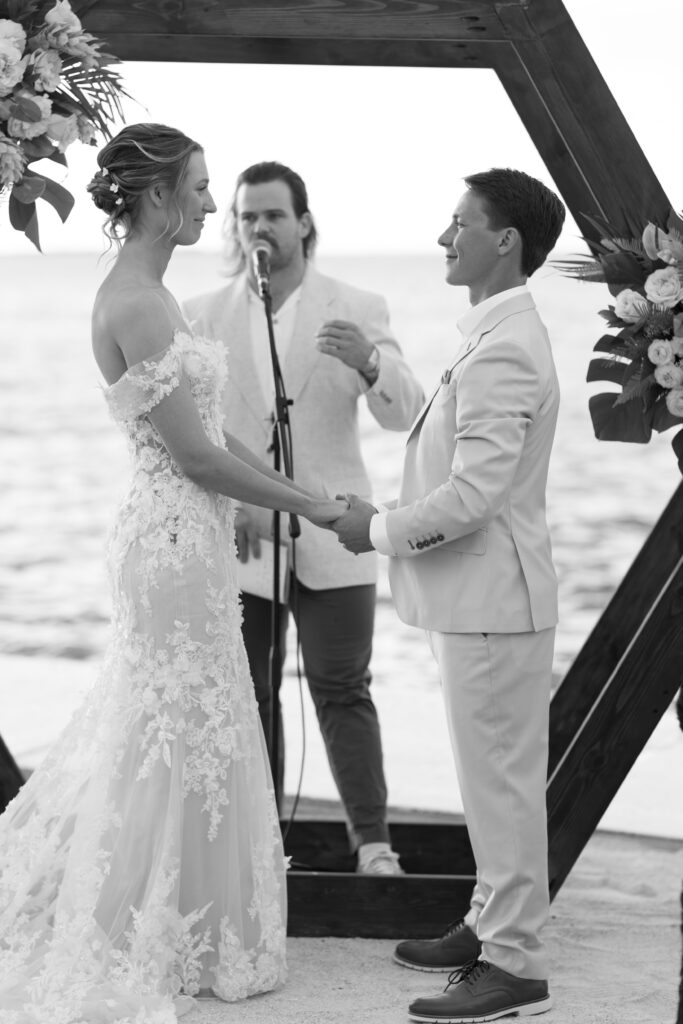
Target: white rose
[(664, 287), (660, 246), (31, 129), (677, 346), (12, 66), (674, 401), (630, 306), (12, 162), (62, 130), (660, 352), (669, 376), (47, 69), (12, 32)]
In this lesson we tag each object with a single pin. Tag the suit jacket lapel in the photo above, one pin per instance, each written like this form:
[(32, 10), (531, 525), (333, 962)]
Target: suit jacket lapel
[(302, 355), (491, 320)]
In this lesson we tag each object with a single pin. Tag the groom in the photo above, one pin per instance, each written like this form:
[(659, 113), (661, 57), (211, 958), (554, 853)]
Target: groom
[(470, 563)]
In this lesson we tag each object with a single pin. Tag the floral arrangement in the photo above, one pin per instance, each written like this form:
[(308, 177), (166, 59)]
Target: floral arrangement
[(645, 356), (56, 86)]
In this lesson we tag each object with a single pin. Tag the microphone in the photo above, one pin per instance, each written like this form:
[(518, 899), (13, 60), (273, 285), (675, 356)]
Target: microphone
[(260, 258)]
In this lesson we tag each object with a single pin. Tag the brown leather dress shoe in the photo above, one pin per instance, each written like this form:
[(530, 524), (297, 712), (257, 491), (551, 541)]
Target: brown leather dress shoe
[(482, 992), (457, 947)]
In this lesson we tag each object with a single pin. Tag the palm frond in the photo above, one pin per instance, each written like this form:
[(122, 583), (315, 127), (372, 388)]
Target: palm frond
[(584, 269), (95, 92), (631, 245)]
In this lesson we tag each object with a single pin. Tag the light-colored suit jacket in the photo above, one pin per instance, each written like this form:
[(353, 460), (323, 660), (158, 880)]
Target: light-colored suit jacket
[(324, 415), (469, 528)]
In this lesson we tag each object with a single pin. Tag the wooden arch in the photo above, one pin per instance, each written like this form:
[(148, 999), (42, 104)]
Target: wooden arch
[(628, 671)]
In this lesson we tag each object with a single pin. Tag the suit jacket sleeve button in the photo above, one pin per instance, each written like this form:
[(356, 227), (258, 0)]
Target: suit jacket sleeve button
[(440, 537)]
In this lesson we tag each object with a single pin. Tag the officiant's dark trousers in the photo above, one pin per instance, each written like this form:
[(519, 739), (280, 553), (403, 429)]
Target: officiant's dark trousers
[(335, 630)]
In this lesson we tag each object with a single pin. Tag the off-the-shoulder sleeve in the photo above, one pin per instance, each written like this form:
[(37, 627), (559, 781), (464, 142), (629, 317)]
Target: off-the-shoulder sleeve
[(144, 385)]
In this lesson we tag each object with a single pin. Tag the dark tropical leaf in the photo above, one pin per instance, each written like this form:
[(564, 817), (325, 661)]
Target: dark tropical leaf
[(611, 317), (25, 109), (607, 369), (30, 188), (23, 217), (611, 422), (622, 270), (39, 148), (58, 197), (58, 157), (677, 445), (662, 419), (639, 382), (615, 345)]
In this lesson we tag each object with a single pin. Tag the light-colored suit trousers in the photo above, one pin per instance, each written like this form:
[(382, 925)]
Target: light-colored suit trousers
[(496, 690)]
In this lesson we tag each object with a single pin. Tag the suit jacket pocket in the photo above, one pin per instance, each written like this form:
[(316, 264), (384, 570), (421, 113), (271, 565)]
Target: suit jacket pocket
[(471, 544)]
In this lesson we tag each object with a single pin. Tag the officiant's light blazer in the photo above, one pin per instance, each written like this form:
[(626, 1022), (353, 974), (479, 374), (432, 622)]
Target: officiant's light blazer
[(469, 529), (324, 415)]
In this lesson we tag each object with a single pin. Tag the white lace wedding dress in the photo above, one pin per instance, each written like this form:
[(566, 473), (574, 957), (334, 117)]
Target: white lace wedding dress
[(142, 862)]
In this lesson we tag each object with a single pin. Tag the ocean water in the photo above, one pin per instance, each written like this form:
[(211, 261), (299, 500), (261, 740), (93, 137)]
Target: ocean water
[(63, 464)]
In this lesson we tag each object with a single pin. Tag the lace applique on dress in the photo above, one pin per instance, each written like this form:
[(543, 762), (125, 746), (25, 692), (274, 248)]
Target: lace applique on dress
[(143, 860)]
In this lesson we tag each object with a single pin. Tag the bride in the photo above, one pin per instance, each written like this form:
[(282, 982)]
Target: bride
[(142, 862)]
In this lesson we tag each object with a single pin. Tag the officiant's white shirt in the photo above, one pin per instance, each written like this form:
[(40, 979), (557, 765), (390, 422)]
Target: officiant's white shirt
[(283, 330)]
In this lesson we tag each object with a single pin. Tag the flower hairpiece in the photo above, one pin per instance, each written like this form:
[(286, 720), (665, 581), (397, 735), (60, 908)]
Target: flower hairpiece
[(114, 187)]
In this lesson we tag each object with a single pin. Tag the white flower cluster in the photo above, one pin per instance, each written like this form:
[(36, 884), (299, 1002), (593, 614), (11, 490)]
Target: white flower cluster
[(667, 356), (30, 69), (663, 288)]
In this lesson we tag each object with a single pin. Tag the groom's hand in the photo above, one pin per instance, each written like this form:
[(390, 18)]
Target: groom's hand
[(246, 536), (353, 527)]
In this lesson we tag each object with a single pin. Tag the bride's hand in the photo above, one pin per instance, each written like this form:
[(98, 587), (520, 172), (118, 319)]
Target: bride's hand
[(325, 511)]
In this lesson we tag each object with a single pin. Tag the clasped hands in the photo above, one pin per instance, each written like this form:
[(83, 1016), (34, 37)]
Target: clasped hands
[(353, 526)]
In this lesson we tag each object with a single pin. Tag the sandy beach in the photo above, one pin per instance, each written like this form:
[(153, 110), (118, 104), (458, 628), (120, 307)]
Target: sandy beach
[(613, 940)]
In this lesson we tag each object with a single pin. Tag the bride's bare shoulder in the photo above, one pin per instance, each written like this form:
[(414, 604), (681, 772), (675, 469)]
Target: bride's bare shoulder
[(130, 322)]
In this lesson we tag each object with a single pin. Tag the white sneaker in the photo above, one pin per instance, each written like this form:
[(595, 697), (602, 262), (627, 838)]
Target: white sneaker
[(378, 859)]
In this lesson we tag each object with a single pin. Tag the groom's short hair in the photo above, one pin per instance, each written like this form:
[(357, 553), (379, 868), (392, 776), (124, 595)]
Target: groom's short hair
[(516, 200)]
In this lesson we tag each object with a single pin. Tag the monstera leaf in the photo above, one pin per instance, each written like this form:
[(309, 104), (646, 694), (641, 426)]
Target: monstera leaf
[(626, 415)]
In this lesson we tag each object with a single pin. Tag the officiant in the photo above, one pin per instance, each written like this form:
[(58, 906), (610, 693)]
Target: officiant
[(336, 349)]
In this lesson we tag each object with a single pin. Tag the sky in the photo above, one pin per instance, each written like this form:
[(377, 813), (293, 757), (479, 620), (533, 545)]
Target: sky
[(382, 150)]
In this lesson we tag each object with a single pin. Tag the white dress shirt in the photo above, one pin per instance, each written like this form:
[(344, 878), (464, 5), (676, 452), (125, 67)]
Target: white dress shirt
[(467, 325), (283, 329)]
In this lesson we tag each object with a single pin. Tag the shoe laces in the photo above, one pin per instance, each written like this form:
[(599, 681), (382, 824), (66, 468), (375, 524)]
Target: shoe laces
[(453, 927), (469, 972)]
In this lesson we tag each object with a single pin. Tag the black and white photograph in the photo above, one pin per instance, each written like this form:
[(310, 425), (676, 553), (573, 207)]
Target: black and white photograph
[(341, 511)]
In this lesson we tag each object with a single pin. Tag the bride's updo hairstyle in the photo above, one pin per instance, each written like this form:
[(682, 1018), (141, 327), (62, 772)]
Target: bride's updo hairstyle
[(140, 156)]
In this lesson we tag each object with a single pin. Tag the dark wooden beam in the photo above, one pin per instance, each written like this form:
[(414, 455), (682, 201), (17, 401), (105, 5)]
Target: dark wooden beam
[(533, 45), (630, 702), (605, 646), (303, 20), (575, 122)]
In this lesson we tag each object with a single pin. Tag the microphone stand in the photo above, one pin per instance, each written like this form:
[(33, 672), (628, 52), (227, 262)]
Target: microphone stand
[(282, 457)]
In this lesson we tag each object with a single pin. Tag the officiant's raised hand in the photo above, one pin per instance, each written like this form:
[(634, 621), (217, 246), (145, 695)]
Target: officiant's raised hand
[(344, 340), (353, 527)]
